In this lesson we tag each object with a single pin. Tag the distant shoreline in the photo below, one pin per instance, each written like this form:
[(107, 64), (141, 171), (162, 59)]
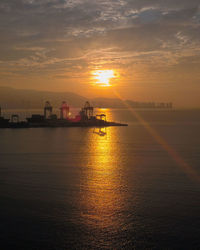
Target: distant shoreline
[(120, 108)]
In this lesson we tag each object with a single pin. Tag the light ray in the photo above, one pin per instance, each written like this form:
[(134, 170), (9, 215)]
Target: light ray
[(188, 170)]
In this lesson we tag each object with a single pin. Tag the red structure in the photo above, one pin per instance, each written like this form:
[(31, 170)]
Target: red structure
[(64, 111), (77, 118)]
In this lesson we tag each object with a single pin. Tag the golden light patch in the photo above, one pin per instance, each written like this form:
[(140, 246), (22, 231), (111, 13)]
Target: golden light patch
[(102, 77)]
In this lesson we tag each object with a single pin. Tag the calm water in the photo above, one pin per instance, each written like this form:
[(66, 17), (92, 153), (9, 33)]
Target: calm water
[(70, 188)]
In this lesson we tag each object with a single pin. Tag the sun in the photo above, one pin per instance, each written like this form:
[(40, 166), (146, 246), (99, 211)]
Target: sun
[(102, 77)]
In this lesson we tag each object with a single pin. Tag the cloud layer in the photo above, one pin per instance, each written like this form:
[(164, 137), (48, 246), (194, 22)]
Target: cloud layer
[(66, 39)]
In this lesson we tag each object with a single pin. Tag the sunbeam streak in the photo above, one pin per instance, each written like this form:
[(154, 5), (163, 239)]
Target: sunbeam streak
[(188, 170)]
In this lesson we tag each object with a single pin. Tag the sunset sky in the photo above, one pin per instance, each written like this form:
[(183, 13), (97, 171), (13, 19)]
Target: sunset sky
[(151, 46)]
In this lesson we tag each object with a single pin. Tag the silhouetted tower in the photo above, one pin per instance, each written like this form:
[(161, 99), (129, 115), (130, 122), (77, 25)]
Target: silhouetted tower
[(88, 110), (15, 118), (64, 111), (47, 110)]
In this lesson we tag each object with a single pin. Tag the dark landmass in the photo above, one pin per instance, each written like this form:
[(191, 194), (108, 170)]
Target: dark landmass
[(11, 98), (85, 118)]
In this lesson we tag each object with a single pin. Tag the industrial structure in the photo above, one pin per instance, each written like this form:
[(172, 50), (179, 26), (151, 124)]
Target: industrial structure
[(64, 111), (88, 110), (3, 122), (48, 109), (85, 118)]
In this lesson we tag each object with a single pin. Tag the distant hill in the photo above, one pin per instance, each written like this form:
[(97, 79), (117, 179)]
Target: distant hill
[(107, 103), (21, 98), (11, 98)]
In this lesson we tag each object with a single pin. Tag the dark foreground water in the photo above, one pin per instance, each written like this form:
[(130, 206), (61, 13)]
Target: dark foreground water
[(71, 188)]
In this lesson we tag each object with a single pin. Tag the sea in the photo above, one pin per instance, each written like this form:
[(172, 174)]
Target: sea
[(134, 187)]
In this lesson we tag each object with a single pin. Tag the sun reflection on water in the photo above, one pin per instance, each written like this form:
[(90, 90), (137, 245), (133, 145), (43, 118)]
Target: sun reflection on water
[(102, 185)]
